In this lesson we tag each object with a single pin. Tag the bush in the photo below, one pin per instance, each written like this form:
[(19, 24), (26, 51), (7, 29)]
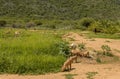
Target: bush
[(95, 27), (30, 24), (16, 25), (38, 23), (64, 49), (52, 26), (3, 23), (107, 50), (98, 60), (111, 30), (86, 22), (104, 26), (49, 26), (82, 46), (108, 27)]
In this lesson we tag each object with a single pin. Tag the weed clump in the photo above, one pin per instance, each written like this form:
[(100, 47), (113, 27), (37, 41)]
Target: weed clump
[(82, 46), (107, 50), (64, 49)]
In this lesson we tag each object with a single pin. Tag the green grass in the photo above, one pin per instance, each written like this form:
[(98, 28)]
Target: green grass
[(103, 35), (98, 60), (30, 52), (90, 75), (69, 76)]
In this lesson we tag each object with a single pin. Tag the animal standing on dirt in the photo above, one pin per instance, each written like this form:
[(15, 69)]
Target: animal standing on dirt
[(76, 51), (85, 53), (92, 54), (67, 64)]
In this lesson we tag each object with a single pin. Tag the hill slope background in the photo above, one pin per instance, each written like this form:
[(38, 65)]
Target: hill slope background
[(61, 9)]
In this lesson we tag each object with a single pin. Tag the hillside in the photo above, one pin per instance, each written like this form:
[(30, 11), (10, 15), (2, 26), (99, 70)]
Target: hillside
[(61, 9)]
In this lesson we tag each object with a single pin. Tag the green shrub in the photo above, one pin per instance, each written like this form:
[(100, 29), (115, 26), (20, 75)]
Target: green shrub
[(96, 25), (109, 54), (3, 23), (111, 30), (107, 50), (16, 25), (86, 22), (49, 26), (64, 49), (82, 46), (38, 23), (108, 27), (30, 24), (98, 60)]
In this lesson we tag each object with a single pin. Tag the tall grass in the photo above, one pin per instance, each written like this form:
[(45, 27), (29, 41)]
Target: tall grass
[(30, 53)]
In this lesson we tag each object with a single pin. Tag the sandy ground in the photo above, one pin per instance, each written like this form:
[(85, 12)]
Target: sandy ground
[(104, 71)]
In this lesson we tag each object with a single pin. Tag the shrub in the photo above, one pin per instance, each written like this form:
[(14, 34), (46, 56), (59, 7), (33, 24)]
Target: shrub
[(16, 25), (108, 27), (53, 27), (49, 26), (98, 60), (81, 46), (30, 24), (64, 49), (107, 50), (111, 30), (95, 27), (3, 23), (38, 23), (86, 22)]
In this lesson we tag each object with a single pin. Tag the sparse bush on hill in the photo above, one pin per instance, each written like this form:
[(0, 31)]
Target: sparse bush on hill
[(64, 10)]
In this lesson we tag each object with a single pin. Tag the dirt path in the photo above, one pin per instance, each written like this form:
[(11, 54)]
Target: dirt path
[(103, 71), (95, 43)]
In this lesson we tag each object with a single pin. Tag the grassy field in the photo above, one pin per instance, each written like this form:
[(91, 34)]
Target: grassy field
[(29, 52), (35, 51)]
